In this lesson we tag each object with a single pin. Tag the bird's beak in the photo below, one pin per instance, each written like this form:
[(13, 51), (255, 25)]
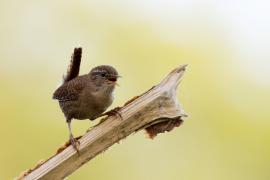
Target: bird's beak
[(113, 80), (116, 82)]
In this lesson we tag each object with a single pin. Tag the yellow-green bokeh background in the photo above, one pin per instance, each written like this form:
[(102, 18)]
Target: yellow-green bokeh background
[(225, 90)]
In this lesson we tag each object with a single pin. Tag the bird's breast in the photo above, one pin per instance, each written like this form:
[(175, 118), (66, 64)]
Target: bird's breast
[(93, 104)]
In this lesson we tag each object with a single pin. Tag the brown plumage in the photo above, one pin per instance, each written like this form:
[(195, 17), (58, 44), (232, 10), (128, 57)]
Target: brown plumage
[(74, 65), (86, 96)]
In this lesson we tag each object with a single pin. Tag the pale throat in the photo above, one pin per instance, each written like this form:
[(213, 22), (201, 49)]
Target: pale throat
[(104, 91)]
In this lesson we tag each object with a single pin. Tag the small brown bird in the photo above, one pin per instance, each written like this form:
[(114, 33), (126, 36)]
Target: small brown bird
[(86, 96)]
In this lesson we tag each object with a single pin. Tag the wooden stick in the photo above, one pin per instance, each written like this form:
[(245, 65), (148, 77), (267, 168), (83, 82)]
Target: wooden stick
[(150, 110)]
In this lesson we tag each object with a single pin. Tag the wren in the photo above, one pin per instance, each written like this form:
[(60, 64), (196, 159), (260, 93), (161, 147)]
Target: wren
[(86, 96)]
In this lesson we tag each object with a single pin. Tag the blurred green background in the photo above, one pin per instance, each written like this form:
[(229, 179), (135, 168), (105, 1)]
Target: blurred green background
[(225, 92)]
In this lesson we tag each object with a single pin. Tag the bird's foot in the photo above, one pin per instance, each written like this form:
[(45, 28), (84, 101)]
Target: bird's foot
[(113, 112), (75, 143)]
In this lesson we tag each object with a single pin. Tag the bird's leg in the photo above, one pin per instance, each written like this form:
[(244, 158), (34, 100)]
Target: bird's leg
[(73, 141), (113, 112)]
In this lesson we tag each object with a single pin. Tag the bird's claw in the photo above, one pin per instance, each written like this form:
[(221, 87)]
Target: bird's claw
[(75, 143), (113, 112)]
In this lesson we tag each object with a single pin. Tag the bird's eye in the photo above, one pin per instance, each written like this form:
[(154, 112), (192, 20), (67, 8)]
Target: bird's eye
[(103, 74)]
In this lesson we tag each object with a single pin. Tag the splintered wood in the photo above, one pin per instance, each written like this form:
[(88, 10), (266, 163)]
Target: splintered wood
[(157, 111)]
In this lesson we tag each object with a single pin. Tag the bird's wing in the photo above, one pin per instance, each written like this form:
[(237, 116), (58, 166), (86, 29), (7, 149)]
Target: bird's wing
[(69, 91), (74, 66)]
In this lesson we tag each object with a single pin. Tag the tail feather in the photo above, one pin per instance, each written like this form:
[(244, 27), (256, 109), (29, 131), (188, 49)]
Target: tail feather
[(74, 66)]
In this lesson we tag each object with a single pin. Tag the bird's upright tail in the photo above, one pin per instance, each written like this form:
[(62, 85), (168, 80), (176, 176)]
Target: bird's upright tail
[(74, 65)]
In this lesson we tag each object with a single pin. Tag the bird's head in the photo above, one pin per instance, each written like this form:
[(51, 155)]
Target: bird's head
[(104, 76)]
